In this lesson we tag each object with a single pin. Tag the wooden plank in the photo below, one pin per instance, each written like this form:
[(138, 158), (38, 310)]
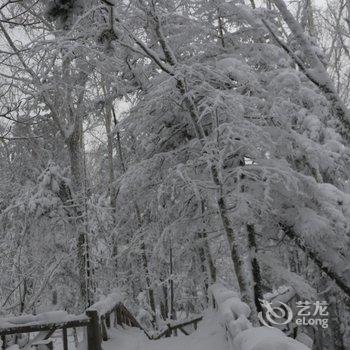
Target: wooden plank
[(93, 331), (178, 326), (65, 338), (49, 333), (39, 338), (183, 331), (104, 329), (186, 323), (115, 318), (119, 317), (3, 339), (128, 316), (50, 345), (165, 333), (108, 320)]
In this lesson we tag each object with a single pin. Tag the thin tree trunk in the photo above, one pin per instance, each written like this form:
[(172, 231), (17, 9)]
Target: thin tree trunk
[(151, 297), (164, 304), (221, 29), (109, 115), (111, 174), (204, 267), (206, 249), (207, 264), (76, 155), (172, 291), (237, 258), (307, 17)]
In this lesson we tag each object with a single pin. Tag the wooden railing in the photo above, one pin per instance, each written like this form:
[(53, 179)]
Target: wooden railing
[(97, 320), (174, 326), (45, 329), (115, 315)]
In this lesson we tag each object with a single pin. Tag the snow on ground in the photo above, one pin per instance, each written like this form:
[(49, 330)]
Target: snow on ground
[(263, 338), (209, 336)]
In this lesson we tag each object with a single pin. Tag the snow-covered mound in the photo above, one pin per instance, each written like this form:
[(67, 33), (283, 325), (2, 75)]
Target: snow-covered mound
[(240, 332), (264, 338)]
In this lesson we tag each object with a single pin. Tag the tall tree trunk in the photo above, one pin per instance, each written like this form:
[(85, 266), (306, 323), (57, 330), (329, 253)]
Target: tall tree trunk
[(151, 297), (237, 259), (164, 303), (307, 17), (109, 115), (257, 281), (335, 325), (111, 174), (76, 155), (206, 250), (206, 261), (204, 266)]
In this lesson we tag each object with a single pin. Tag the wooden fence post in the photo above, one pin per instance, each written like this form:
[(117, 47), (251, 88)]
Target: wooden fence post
[(104, 329), (115, 318), (65, 338), (94, 331), (119, 317), (3, 339), (108, 320)]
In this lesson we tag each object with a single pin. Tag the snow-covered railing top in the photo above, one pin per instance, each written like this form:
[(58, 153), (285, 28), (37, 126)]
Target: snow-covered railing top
[(44, 324), (41, 322), (58, 319), (240, 332), (107, 304)]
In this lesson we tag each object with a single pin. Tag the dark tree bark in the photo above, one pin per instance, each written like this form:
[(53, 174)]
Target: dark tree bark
[(258, 293)]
